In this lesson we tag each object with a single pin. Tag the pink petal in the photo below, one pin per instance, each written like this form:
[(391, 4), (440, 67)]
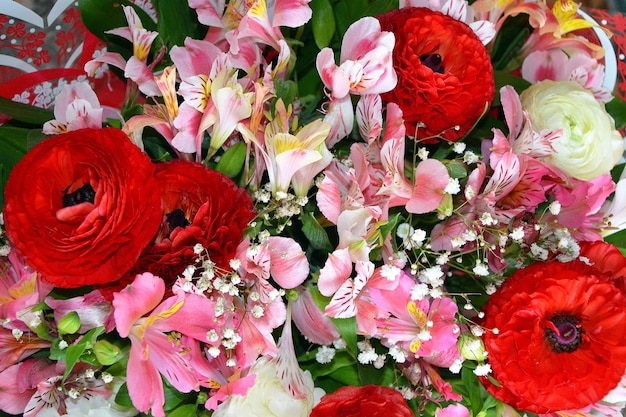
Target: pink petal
[(13, 400), (289, 265), (431, 178), (512, 110), (170, 360), (336, 270), (336, 80), (144, 383), (195, 58), (311, 321), (194, 318), (139, 298), (291, 13), (209, 11)]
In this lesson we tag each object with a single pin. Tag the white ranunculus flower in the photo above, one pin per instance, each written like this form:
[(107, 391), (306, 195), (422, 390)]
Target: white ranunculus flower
[(589, 145), (268, 398)]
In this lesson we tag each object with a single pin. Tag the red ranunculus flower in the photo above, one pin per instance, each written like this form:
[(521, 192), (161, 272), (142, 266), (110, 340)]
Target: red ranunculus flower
[(367, 401), (561, 339), (81, 206), (445, 77), (201, 206)]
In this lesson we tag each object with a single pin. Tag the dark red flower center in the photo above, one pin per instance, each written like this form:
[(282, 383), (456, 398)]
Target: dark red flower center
[(85, 193), (433, 61), (563, 332), (177, 218)]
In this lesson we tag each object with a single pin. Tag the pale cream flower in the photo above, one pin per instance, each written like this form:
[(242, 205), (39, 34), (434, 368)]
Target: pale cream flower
[(589, 145)]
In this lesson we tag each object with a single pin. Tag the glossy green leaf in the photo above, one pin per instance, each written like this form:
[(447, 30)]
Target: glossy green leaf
[(177, 21), (323, 22), (509, 41), (231, 163), (503, 78), (14, 143), (24, 112), (315, 233), (187, 410), (286, 90), (470, 380), (617, 109), (173, 397), (122, 397), (74, 352), (617, 239)]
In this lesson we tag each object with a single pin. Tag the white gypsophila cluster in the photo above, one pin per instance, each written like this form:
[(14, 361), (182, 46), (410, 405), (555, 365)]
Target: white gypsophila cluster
[(340, 343), (470, 157), (453, 187), (419, 291), (367, 354), (398, 354), (483, 369), (456, 366), (422, 153), (481, 268), (325, 354), (433, 276), (459, 147)]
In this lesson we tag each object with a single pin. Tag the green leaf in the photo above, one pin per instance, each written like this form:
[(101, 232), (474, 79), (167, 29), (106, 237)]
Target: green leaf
[(347, 329), (470, 380), (315, 233), (231, 163), (176, 21), (503, 78), (173, 397), (156, 147), (617, 109), (187, 410), (286, 90), (323, 22), (122, 397), (25, 113), (509, 41), (617, 239), (74, 352)]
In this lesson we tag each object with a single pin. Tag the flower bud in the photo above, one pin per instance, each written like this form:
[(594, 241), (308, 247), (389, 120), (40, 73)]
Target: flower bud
[(472, 347), (106, 352), (69, 324)]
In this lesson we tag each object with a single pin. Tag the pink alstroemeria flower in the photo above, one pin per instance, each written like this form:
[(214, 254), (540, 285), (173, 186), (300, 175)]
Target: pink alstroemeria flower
[(426, 328), (153, 351), (136, 68), (20, 291), (556, 65), (34, 385), (76, 107), (365, 62), (365, 68)]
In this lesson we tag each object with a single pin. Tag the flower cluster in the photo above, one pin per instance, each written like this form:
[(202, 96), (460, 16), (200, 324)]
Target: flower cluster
[(322, 208)]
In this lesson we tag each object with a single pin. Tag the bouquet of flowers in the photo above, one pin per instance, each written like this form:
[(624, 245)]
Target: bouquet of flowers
[(320, 208)]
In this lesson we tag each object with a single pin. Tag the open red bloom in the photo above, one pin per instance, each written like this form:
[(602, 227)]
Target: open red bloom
[(445, 77), (561, 340), (366, 401), (81, 206), (201, 206)]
